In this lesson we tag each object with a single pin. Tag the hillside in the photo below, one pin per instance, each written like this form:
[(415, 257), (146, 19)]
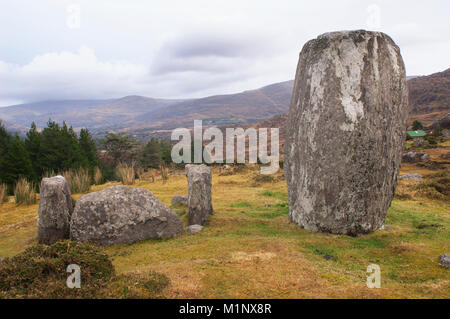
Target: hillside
[(429, 97)]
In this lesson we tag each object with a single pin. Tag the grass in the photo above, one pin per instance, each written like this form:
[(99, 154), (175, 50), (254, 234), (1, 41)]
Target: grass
[(250, 249), (24, 192), (126, 173)]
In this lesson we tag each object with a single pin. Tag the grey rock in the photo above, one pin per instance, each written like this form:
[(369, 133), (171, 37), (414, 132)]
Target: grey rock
[(55, 210), (444, 260), (418, 142), (194, 229), (386, 227), (199, 195), (413, 176), (226, 166), (413, 157), (180, 200), (1, 259), (122, 215), (346, 131)]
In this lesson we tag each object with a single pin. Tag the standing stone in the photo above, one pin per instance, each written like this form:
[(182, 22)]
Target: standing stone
[(199, 195), (346, 131), (122, 215), (55, 210)]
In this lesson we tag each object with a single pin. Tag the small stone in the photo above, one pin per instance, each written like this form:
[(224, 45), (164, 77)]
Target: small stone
[(386, 227), (194, 229), (444, 260), (413, 157), (180, 200), (413, 176)]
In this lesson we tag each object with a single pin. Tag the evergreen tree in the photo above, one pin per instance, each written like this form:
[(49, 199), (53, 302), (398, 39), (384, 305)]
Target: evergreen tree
[(150, 156), (5, 142), (59, 148), (17, 163), (33, 147), (417, 125), (88, 148)]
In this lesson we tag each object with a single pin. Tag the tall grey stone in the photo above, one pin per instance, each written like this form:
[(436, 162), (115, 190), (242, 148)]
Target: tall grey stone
[(55, 210), (199, 195), (346, 132), (122, 215)]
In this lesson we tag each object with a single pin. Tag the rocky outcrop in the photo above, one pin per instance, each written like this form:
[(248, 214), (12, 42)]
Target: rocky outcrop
[(180, 200), (122, 215), (346, 131), (199, 195), (55, 210)]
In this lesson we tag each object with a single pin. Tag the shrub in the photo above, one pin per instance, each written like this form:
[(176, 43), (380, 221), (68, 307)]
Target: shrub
[(41, 271), (24, 192), (97, 176), (78, 179), (3, 193), (126, 173)]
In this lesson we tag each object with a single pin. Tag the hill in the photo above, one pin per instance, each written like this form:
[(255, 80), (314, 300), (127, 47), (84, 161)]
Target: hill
[(429, 97)]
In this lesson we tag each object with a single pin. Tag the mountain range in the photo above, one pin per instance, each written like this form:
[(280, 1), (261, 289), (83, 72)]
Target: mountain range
[(142, 116)]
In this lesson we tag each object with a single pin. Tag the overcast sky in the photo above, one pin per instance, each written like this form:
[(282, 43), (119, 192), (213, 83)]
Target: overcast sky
[(189, 48)]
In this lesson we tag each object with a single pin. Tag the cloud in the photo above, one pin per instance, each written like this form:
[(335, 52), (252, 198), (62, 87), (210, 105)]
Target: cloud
[(68, 75)]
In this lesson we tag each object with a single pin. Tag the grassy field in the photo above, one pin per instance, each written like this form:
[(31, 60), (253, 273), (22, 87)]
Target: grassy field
[(249, 249)]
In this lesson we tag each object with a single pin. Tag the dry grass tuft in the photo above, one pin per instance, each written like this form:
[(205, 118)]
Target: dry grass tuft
[(164, 173), (126, 173), (97, 176), (78, 179), (24, 192)]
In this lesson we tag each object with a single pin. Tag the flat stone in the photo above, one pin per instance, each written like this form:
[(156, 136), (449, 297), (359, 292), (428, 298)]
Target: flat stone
[(122, 215), (413, 176), (192, 229)]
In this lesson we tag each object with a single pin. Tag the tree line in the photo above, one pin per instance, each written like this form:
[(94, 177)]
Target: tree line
[(58, 148)]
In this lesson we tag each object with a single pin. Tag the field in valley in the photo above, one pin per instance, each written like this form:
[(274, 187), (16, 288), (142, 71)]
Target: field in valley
[(249, 249)]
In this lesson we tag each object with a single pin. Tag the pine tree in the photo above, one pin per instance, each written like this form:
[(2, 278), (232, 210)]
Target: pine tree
[(151, 154), (88, 149), (5, 142), (17, 163), (33, 147)]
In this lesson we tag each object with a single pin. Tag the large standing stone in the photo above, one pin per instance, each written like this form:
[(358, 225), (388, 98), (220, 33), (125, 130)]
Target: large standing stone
[(199, 195), (122, 215), (346, 131), (55, 210)]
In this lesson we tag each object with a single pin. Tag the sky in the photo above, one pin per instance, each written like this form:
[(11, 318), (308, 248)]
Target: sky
[(57, 49)]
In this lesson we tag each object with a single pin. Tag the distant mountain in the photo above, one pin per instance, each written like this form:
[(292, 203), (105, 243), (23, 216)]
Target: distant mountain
[(94, 114), (142, 115), (429, 97)]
